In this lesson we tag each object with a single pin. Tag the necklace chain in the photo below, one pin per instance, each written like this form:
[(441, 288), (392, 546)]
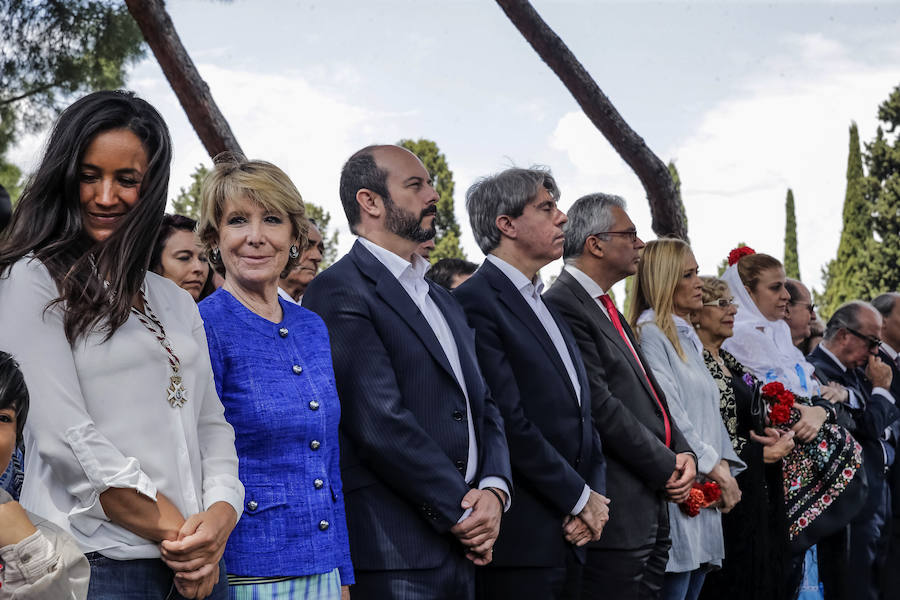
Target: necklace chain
[(176, 394)]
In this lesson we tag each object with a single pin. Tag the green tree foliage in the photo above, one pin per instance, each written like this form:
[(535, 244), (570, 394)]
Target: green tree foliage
[(676, 179), (883, 195), (791, 260), (446, 242), (188, 201), (847, 276), (323, 219), (188, 204), (11, 179), (53, 50)]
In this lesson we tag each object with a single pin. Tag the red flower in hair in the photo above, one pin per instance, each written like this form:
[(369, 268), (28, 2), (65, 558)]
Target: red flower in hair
[(738, 253)]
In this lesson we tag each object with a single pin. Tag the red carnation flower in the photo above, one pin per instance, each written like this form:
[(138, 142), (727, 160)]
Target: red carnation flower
[(738, 253), (772, 389), (780, 414), (711, 492), (691, 507)]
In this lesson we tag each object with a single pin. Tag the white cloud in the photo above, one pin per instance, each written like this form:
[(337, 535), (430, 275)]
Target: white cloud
[(788, 127)]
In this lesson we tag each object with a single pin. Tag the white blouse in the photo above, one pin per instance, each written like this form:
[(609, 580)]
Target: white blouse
[(100, 418)]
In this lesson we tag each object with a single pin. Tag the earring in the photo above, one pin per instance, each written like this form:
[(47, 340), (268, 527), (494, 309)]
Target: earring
[(214, 254), (294, 252)]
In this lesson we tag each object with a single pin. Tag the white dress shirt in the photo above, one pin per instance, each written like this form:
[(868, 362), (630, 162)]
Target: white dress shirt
[(531, 292), (411, 276), (100, 417)]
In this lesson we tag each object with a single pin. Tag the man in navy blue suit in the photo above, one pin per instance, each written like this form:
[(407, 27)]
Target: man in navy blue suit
[(424, 459), (851, 344), (534, 369)]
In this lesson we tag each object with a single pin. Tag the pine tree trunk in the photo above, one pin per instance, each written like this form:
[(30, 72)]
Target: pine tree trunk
[(665, 201), (193, 93)]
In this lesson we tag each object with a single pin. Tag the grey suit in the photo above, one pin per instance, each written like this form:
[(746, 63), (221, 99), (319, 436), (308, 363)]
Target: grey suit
[(631, 425)]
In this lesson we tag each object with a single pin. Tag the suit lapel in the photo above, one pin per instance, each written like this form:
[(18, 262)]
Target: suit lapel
[(390, 290), (517, 305), (605, 325)]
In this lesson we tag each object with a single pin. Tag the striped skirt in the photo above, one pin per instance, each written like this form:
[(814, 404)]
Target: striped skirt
[(326, 586)]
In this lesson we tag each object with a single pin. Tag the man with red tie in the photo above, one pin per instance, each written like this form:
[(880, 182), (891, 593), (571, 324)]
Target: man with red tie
[(649, 462)]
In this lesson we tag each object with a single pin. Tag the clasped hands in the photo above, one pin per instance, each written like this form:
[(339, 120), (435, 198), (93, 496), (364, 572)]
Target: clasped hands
[(195, 554), (587, 525), (478, 531)]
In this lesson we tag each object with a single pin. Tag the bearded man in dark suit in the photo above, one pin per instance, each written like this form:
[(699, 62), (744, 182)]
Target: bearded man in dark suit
[(424, 461)]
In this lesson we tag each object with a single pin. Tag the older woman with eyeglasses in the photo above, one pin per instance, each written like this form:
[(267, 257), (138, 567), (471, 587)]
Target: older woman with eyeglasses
[(755, 531)]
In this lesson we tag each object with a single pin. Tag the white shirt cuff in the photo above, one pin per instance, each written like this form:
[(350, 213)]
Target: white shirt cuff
[(500, 484), (582, 501), (223, 493)]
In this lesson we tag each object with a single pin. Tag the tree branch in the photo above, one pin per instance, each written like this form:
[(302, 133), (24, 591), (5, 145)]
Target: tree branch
[(37, 90), (193, 93), (664, 198)]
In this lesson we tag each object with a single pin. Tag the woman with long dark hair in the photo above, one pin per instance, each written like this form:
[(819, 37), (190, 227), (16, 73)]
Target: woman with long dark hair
[(127, 447)]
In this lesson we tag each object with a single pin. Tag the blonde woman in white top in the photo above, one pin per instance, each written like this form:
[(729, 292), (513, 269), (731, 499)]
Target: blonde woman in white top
[(126, 445), (667, 290)]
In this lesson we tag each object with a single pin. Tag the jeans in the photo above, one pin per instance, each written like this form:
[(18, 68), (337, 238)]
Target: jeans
[(683, 586), (140, 579)]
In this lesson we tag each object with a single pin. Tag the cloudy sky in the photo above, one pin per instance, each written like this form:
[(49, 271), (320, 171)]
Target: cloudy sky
[(748, 98)]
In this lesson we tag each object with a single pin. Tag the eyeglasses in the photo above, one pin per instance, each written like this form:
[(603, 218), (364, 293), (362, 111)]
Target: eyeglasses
[(721, 303), (871, 340), (632, 233), (810, 306)]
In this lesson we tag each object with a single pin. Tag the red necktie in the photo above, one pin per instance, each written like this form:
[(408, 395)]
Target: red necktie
[(614, 317)]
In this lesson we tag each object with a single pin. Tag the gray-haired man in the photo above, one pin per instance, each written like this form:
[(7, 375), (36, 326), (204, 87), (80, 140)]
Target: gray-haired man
[(648, 459)]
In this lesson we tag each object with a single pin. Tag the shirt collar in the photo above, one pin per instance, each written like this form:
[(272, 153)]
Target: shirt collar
[(831, 355), (518, 279), (396, 264), (889, 351), (589, 285)]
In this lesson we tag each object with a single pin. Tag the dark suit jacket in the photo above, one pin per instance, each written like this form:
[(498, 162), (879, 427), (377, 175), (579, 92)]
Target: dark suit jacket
[(625, 414), (553, 448), (868, 423), (404, 439), (894, 474)]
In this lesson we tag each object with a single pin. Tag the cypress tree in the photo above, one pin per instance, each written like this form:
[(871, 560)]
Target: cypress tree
[(883, 192), (791, 261), (847, 276)]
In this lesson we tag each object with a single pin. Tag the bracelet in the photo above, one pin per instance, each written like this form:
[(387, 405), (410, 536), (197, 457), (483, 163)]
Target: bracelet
[(499, 497)]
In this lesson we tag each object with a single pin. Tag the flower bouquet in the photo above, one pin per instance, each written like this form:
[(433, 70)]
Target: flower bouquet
[(703, 495)]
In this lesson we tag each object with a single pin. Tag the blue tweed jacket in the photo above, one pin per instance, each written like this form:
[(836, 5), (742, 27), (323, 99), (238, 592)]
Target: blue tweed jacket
[(277, 384)]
